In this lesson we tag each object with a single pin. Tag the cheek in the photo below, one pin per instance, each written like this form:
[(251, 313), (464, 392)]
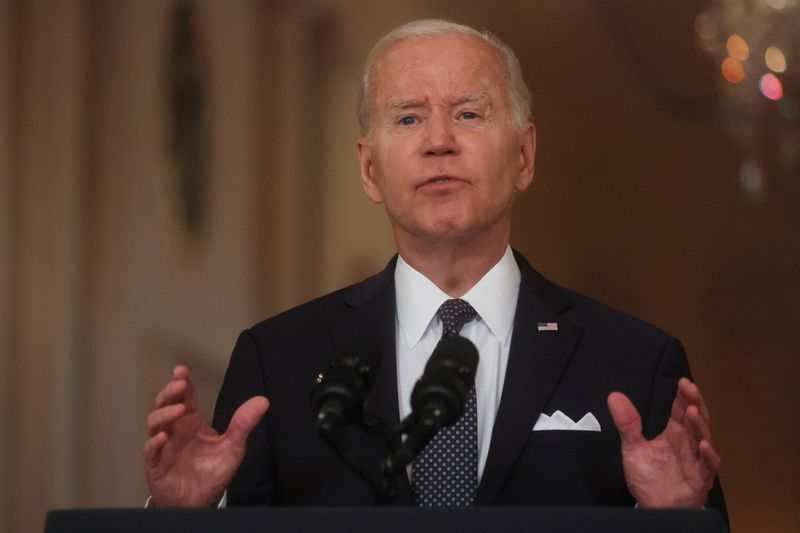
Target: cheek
[(394, 172), (508, 165), (386, 185)]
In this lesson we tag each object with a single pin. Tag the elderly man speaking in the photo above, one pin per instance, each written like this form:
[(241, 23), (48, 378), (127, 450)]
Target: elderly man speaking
[(573, 403)]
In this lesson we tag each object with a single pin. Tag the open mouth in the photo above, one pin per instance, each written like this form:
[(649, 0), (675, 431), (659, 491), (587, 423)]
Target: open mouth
[(438, 180)]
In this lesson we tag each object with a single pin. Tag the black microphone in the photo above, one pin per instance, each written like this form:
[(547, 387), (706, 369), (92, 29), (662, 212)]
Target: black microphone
[(341, 391), (439, 397)]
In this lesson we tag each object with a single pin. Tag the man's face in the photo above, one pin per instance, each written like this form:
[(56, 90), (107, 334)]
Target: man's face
[(443, 154)]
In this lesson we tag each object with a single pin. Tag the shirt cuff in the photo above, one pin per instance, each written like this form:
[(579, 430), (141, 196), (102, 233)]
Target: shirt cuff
[(223, 502), (637, 506)]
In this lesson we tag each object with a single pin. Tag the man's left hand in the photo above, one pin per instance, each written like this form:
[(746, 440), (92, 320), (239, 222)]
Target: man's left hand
[(677, 468)]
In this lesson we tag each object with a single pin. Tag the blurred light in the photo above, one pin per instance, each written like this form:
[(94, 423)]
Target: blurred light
[(705, 27), (771, 86), (752, 180), (776, 4), (732, 70), (737, 48), (789, 151), (775, 59), (755, 45)]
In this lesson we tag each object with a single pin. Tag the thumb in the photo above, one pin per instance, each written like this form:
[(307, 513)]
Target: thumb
[(626, 418), (245, 419)]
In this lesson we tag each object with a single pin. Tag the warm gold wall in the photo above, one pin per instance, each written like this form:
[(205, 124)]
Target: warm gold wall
[(636, 202)]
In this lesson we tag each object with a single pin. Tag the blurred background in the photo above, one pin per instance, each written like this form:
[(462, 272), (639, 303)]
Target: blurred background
[(172, 172)]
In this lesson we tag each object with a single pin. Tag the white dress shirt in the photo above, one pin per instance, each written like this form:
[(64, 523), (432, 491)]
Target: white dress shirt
[(418, 330)]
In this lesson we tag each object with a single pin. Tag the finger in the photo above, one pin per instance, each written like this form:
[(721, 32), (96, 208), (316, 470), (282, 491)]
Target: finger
[(686, 395), (180, 376), (711, 458), (691, 394), (245, 419), (697, 426), (160, 419), (152, 449), (707, 467), (680, 403), (626, 418), (180, 372), (178, 391), (190, 396), (173, 392)]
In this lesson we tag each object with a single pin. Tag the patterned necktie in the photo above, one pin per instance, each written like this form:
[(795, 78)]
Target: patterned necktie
[(445, 474)]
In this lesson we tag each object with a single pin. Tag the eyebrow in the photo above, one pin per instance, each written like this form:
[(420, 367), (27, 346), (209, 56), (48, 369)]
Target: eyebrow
[(411, 103), (472, 97), (405, 104)]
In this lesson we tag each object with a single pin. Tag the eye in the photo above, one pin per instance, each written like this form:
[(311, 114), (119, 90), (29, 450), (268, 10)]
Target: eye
[(408, 120), (469, 115)]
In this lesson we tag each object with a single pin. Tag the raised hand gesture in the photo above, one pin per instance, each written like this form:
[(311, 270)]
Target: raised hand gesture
[(187, 463), (677, 468)]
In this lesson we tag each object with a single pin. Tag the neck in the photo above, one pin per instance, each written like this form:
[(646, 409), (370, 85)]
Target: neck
[(453, 266)]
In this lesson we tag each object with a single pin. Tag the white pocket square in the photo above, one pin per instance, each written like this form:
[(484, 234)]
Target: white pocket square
[(559, 420)]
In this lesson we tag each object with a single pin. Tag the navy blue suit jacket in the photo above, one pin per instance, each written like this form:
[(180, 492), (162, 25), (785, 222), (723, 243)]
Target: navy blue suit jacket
[(596, 350)]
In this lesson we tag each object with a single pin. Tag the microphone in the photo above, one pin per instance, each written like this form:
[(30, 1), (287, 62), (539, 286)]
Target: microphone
[(439, 397), (341, 390)]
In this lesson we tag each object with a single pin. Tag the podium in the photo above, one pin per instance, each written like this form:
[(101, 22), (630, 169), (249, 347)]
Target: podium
[(385, 519)]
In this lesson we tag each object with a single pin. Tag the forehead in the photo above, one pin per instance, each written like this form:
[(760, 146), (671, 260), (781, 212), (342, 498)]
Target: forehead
[(444, 66)]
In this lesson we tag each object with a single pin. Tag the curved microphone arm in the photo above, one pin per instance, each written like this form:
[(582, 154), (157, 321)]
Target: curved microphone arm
[(437, 400)]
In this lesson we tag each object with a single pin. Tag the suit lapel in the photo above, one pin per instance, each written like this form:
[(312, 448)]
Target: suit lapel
[(372, 314), (536, 362)]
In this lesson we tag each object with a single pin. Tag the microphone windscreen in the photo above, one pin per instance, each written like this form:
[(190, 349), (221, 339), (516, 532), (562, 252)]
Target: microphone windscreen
[(457, 354), (341, 389), (441, 393)]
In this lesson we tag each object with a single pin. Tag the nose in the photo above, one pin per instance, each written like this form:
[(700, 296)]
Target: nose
[(440, 138)]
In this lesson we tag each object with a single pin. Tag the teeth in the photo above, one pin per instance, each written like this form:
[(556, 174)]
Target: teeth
[(440, 180)]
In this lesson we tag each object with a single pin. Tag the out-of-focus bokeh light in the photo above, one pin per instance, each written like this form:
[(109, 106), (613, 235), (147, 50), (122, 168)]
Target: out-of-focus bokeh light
[(751, 180), (705, 27), (738, 48), (732, 70), (776, 4), (771, 86), (775, 59)]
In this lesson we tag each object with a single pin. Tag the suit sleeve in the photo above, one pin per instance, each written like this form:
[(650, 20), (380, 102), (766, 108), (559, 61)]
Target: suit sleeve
[(252, 483), (672, 366)]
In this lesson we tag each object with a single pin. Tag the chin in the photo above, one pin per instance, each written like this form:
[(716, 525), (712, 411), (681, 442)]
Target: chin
[(445, 223), (448, 230)]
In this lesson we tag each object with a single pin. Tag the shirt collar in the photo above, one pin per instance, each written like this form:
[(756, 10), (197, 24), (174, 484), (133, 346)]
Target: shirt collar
[(494, 297)]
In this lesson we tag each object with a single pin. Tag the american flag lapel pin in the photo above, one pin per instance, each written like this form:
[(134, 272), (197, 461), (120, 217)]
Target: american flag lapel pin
[(547, 326)]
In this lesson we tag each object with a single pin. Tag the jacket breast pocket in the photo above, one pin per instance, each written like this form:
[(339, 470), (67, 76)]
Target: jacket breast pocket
[(567, 467), (568, 439)]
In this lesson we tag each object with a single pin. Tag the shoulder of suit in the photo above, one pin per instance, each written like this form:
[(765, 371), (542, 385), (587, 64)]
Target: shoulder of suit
[(329, 305), (595, 316), (587, 312)]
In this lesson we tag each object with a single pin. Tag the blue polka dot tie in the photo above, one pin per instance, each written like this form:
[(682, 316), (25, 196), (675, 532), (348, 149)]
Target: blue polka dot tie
[(445, 474)]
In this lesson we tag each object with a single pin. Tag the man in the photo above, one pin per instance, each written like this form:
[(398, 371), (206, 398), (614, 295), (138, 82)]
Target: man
[(446, 146)]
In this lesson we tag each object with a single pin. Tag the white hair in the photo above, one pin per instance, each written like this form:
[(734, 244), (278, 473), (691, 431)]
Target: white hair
[(519, 96)]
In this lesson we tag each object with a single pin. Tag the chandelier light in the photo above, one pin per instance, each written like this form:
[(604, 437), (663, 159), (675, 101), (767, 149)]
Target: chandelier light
[(756, 45)]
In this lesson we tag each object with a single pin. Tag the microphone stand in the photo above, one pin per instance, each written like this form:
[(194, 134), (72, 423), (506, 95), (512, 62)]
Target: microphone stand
[(444, 399)]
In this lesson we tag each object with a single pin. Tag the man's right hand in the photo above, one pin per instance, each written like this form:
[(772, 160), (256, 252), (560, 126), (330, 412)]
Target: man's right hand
[(187, 463)]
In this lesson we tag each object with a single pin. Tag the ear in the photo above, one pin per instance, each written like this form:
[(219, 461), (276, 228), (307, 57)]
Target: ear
[(366, 168), (527, 154)]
